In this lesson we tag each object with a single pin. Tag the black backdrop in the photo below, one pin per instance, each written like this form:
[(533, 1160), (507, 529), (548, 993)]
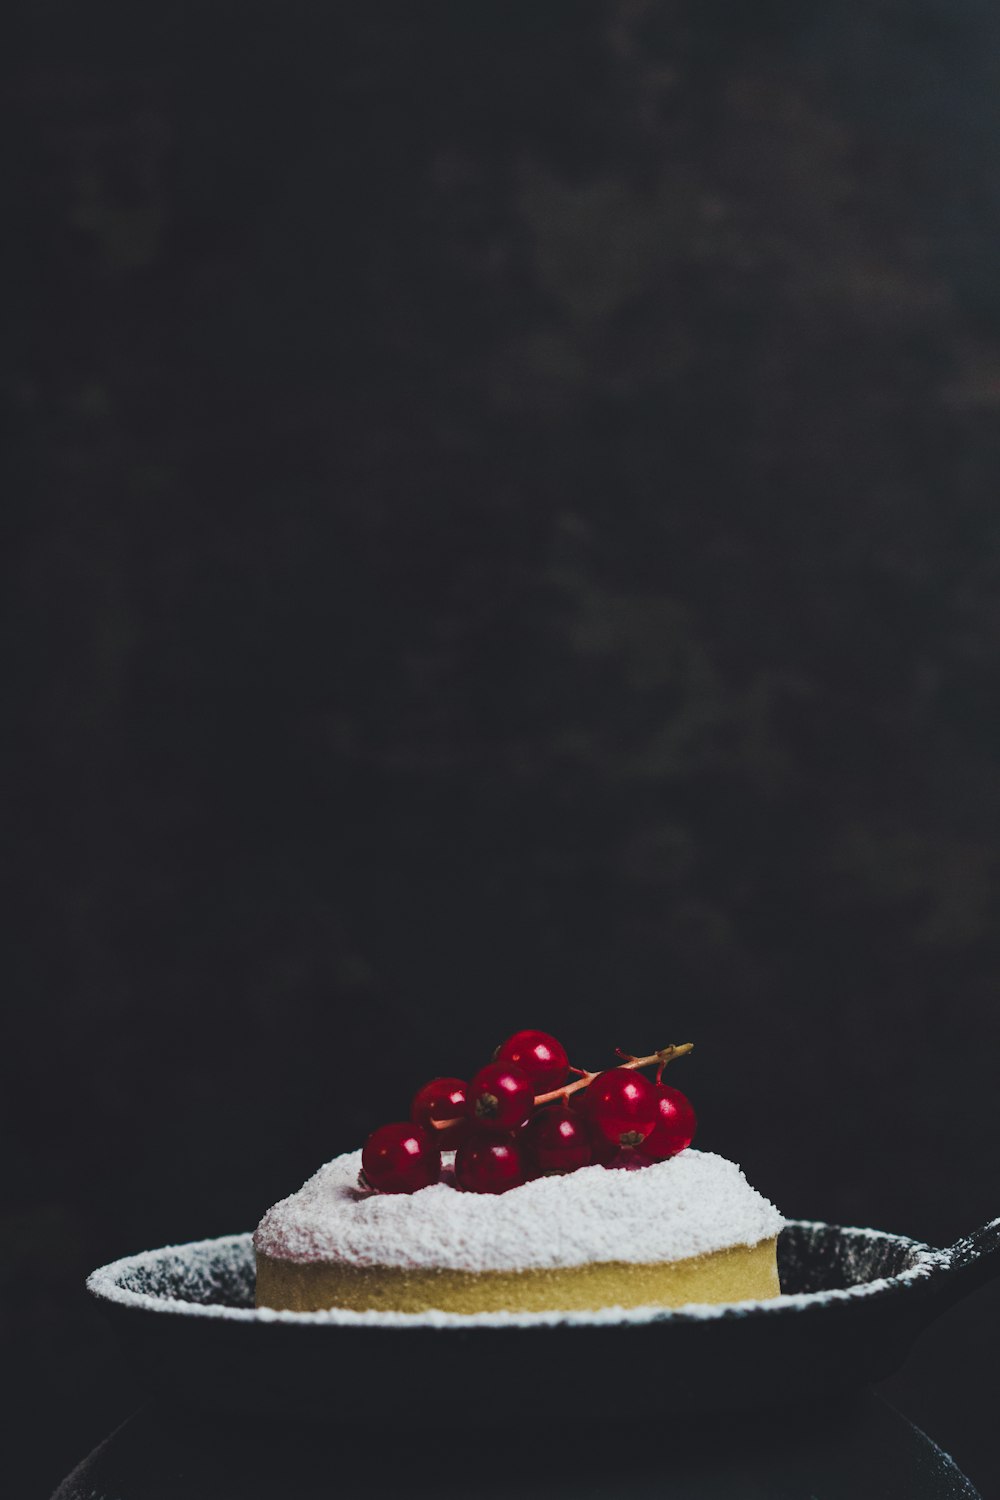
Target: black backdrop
[(503, 531)]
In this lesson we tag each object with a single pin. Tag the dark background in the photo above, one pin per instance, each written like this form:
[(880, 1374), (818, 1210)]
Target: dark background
[(503, 530)]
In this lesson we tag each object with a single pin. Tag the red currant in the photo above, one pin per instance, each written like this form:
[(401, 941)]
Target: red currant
[(675, 1124), (501, 1097), (490, 1163), (559, 1140), (400, 1159), (539, 1055), (442, 1099), (621, 1105)]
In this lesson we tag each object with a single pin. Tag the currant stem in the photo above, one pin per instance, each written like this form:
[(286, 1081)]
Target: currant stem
[(664, 1056), (661, 1058)]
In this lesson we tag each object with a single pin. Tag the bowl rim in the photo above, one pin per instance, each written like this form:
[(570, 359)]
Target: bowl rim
[(106, 1284)]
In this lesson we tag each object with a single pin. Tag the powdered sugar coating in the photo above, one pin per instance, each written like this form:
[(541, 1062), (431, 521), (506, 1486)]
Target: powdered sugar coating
[(694, 1204)]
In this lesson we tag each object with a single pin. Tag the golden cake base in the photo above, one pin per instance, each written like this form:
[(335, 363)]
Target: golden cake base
[(723, 1276)]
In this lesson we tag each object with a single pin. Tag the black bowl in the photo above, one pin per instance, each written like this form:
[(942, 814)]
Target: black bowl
[(853, 1300)]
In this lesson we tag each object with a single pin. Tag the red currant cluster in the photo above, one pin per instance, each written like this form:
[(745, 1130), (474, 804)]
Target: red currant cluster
[(518, 1119)]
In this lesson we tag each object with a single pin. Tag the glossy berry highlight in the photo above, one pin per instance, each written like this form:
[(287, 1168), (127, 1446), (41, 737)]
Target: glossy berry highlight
[(501, 1097), (490, 1163), (675, 1124), (400, 1158), (621, 1105), (558, 1140), (442, 1100), (539, 1055)]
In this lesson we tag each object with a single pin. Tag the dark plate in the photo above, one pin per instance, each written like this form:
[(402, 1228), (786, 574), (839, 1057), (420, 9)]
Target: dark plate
[(854, 1301)]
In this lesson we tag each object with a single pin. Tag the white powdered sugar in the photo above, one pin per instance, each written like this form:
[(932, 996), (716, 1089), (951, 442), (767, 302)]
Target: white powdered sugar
[(693, 1204)]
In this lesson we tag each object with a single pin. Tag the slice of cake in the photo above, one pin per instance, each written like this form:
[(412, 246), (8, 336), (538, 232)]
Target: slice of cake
[(687, 1229)]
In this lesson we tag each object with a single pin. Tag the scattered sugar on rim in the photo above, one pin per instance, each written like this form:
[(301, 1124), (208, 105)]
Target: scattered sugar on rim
[(204, 1266), (694, 1204)]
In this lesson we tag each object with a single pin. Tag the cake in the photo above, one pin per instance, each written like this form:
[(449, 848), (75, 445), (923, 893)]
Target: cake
[(562, 1194), (689, 1229)]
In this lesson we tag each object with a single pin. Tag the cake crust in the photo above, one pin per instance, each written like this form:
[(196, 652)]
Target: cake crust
[(731, 1275)]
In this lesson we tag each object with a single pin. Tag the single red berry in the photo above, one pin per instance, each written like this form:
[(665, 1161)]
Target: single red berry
[(400, 1159), (442, 1099), (490, 1163), (559, 1140), (501, 1097), (675, 1124), (621, 1105), (539, 1055)]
